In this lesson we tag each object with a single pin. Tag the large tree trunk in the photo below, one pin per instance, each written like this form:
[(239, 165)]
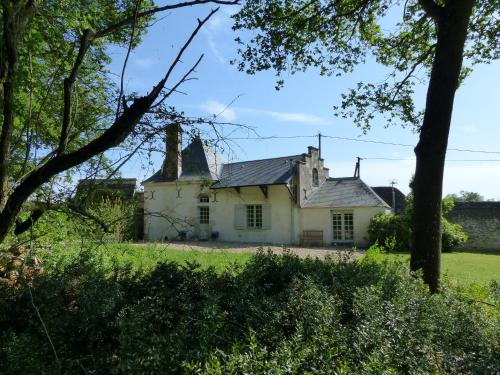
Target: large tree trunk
[(452, 22)]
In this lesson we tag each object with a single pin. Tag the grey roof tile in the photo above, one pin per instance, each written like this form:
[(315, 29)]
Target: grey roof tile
[(199, 162), (385, 192), (344, 192), (273, 171)]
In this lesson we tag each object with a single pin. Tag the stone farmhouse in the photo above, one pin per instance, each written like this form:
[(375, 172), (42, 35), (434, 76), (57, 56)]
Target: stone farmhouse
[(284, 200)]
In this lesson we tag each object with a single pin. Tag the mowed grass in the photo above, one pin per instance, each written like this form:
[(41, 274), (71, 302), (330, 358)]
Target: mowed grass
[(146, 257), (466, 267)]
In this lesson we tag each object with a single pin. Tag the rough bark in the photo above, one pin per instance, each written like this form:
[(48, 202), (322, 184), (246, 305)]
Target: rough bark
[(452, 22), (112, 137), (15, 16)]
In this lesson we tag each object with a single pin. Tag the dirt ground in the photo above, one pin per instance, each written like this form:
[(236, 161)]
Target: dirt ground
[(237, 247)]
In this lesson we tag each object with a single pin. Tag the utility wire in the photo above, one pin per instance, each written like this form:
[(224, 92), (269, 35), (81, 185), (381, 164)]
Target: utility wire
[(413, 159), (359, 140)]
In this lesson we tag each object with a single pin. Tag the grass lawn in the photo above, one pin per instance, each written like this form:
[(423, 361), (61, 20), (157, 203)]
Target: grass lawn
[(467, 267), (145, 257), (459, 267)]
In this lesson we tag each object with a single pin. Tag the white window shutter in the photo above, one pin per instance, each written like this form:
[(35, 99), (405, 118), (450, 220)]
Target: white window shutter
[(239, 216), (266, 216)]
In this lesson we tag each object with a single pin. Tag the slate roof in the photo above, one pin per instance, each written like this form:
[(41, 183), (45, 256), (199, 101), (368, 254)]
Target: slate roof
[(344, 192), (385, 192), (275, 171), (199, 162)]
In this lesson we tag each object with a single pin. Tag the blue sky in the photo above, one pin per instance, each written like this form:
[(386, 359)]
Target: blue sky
[(304, 108)]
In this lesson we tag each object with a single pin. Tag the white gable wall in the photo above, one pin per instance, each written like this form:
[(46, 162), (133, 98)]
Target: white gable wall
[(165, 213), (305, 174)]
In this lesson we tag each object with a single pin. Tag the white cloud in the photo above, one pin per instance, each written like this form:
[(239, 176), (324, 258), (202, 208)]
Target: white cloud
[(297, 117), (218, 109), (231, 113), (215, 50), (217, 22), (304, 118), (468, 129)]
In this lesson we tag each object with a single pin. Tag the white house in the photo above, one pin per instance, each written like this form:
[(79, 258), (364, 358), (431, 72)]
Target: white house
[(285, 200)]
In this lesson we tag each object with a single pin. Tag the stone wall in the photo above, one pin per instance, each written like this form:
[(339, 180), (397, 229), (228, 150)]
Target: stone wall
[(481, 222)]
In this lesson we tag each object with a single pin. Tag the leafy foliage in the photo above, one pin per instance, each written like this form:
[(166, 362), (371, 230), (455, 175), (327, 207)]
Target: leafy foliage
[(275, 314), (118, 215), (395, 230), (336, 36), (466, 196)]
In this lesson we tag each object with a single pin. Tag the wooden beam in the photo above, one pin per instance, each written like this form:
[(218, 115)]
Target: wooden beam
[(263, 188)]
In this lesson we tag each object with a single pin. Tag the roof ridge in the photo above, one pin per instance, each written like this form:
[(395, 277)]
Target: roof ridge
[(250, 161), (342, 178)]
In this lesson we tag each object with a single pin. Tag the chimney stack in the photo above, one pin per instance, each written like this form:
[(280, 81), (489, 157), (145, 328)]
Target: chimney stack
[(172, 166)]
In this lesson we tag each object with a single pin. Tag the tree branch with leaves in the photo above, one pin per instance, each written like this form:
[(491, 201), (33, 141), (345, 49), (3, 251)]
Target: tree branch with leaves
[(67, 137), (436, 41)]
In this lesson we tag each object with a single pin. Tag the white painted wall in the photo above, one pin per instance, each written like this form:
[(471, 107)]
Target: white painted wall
[(165, 214), (281, 205), (321, 219)]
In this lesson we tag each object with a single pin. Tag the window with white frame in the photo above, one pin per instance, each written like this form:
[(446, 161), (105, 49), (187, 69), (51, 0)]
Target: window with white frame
[(254, 216), (342, 226), (204, 216), (203, 199)]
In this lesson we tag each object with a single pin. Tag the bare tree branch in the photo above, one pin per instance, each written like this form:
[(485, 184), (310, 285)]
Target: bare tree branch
[(68, 91), (111, 137), (129, 49), (180, 82)]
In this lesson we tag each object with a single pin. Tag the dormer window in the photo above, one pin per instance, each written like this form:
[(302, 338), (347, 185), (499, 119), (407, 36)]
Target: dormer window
[(203, 199), (315, 177)]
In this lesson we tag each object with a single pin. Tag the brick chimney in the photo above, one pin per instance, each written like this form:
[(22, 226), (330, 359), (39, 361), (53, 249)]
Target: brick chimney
[(172, 166)]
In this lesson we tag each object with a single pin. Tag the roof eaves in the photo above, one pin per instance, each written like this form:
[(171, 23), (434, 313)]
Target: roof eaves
[(246, 185)]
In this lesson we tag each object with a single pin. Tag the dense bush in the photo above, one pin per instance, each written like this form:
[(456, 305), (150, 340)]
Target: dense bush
[(393, 232), (453, 236), (387, 228), (275, 315)]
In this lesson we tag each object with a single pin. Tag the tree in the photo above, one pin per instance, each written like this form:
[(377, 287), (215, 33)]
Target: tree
[(431, 41), (466, 196), (59, 107)]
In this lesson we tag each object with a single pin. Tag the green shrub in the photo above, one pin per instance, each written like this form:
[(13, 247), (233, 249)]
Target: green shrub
[(453, 236), (393, 232), (118, 215), (385, 228), (274, 315)]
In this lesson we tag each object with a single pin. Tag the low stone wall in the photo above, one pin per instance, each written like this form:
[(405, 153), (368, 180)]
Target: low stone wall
[(481, 222)]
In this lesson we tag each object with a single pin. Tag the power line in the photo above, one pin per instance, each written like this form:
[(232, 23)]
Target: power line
[(413, 159), (358, 140)]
